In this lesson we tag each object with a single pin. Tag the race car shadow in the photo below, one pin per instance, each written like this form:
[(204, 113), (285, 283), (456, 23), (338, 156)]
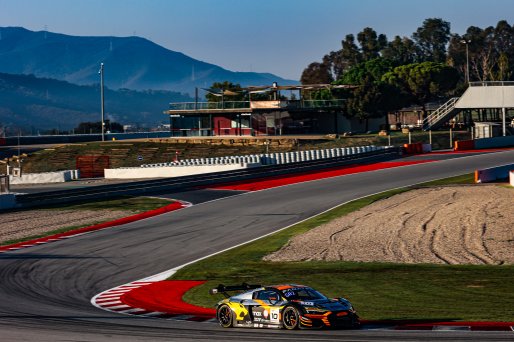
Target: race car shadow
[(406, 324)]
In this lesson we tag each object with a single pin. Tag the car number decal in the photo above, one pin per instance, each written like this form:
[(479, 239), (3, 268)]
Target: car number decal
[(274, 315)]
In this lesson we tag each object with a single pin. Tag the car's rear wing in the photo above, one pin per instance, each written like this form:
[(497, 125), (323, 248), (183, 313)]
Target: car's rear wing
[(224, 288)]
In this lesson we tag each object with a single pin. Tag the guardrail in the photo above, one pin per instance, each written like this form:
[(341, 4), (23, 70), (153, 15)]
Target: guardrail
[(186, 182)]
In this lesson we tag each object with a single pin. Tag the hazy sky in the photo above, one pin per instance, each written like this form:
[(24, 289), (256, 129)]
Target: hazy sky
[(277, 36)]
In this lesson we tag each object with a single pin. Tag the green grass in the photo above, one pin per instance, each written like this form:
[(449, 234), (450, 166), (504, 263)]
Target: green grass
[(378, 290), (133, 204), (468, 178)]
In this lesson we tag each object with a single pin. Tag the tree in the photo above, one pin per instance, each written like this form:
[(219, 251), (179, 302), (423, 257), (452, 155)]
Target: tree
[(374, 69), (316, 73), (370, 43), (373, 98), (400, 51), (431, 39), (424, 82), (504, 72), (504, 50), (219, 90)]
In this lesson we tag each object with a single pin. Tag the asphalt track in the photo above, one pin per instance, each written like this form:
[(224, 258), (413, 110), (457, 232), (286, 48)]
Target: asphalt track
[(45, 290)]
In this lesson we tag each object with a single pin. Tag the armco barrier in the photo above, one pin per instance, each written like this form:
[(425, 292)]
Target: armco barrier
[(464, 145), (494, 142), (493, 173)]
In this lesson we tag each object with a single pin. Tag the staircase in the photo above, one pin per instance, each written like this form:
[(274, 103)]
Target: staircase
[(441, 115)]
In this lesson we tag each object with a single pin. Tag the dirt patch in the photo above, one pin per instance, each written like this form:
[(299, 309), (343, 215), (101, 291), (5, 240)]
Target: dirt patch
[(23, 224), (441, 225)]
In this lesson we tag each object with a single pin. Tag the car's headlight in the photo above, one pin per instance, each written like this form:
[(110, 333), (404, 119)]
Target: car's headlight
[(314, 310)]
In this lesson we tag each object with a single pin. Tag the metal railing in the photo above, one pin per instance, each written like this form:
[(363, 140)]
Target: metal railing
[(439, 113), (291, 104), (209, 105)]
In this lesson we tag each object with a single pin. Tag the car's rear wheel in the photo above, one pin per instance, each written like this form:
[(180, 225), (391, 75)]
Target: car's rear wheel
[(290, 317), (224, 316)]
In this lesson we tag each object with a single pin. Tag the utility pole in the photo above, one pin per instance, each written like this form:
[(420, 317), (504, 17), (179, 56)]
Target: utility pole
[(101, 72)]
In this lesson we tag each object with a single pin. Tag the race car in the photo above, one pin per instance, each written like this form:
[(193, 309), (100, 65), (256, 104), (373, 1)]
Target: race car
[(282, 306)]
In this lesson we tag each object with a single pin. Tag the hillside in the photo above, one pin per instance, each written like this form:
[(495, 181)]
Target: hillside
[(130, 62), (33, 104)]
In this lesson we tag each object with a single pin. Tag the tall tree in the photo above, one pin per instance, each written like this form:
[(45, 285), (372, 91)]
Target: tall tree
[(370, 43), (431, 39), (350, 54), (316, 73), (373, 98), (504, 50), (424, 82), (400, 51)]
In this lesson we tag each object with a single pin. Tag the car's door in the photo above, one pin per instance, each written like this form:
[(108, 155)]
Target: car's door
[(268, 308)]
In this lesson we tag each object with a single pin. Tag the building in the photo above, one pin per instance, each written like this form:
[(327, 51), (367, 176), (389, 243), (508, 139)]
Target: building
[(266, 110)]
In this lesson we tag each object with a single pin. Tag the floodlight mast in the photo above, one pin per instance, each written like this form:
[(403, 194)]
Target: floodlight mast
[(466, 42), (101, 72)]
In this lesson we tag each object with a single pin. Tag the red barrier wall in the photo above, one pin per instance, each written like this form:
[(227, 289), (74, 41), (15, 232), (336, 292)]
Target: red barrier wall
[(414, 148), (464, 145)]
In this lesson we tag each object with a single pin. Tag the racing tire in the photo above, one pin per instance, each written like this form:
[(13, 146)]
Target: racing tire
[(290, 318), (225, 316)]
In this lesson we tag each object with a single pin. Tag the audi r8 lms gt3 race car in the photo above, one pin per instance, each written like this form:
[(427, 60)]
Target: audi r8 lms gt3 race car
[(277, 306)]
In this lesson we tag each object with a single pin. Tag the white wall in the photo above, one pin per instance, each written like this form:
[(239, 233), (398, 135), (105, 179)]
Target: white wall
[(171, 171), (45, 177)]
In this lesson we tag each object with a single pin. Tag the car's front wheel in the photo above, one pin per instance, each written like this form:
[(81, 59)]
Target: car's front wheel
[(290, 317), (224, 316)]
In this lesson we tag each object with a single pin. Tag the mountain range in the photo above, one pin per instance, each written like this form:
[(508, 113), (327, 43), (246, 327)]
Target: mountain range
[(29, 105), (130, 62)]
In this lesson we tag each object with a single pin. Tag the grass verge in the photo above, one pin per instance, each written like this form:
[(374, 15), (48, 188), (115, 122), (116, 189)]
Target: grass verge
[(378, 290), (133, 204)]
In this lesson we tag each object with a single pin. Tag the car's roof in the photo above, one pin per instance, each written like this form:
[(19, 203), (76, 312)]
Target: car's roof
[(281, 287)]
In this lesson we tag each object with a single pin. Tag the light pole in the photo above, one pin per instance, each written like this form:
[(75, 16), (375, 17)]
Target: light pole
[(101, 72), (466, 42)]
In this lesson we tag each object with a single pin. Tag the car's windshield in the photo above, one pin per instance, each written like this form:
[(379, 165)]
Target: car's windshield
[(302, 293)]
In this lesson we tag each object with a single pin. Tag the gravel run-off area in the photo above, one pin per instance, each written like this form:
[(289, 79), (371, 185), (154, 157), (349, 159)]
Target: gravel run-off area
[(22, 224), (471, 224)]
